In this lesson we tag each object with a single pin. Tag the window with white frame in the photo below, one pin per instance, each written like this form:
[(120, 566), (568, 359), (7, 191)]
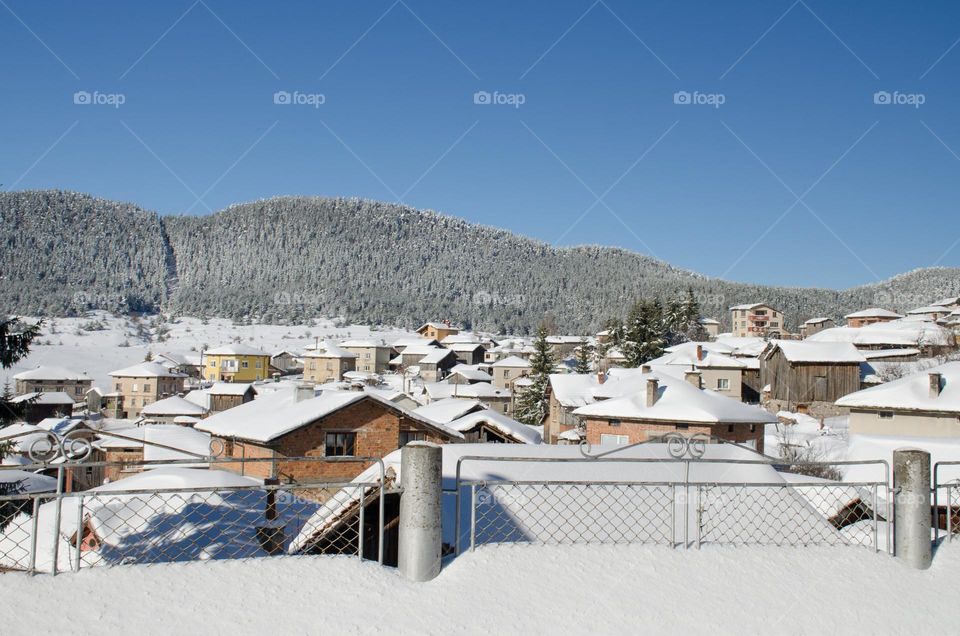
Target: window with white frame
[(723, 384), (619, 440)]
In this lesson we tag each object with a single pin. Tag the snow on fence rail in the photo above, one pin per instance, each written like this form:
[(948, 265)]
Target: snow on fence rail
[(672, 501), (171, 511)]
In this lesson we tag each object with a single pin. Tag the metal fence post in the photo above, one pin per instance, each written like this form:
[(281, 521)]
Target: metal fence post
[(420, 535), (912, 519)]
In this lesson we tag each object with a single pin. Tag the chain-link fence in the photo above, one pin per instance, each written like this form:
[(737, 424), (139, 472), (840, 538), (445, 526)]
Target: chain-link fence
[(946, 499), (783, 509), (172, 514)]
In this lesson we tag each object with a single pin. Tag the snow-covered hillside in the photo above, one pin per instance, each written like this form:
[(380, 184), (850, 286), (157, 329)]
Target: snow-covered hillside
[(74, 343)]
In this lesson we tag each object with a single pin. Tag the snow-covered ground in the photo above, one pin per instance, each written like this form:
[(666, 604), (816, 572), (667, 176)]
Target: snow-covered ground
[(64, 343), (505, 590)]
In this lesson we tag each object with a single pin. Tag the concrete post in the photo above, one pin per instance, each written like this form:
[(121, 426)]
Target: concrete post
[(912, 516), (420, 537)]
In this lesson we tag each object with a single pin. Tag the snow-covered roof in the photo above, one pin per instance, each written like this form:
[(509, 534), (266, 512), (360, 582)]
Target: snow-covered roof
[(894, 333), (715, 347), (688, 358), (507, 426), (872, 447), (438, 325), (912, 392), (330, 349), (677, 401), (51, 373), (512, 361), (874, 312), (748, 306), (45, 397), (460, 338), (364, 343), (814, 352), (275, 414), (27, 482), (182, 359), (463, 346), (929, 309), (146, 370), (708, 321), (236, 349), (470, 372), (229, 388), (59, 425), (574, 389), (413, 341), (448, 409), (947, 302), (173, 405), (871, 354), (477, 390), (747, 346), (817, 321)]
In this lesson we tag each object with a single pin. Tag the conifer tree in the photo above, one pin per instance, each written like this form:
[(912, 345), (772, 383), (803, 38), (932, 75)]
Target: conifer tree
[(532, 402), (583, 357)]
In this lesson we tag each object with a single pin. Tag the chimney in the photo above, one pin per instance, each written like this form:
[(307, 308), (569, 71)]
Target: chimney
[(644, 368), (653, 391), (699, 353), (693, 377), (304, 391), (935, 379), (601, 377)]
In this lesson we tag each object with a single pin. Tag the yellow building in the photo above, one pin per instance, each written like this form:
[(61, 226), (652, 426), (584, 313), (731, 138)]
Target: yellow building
[(438, 330), (236, 363)]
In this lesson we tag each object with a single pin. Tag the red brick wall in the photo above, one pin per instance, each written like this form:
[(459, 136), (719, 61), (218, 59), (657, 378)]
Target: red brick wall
[(378, 434), (642, 431)]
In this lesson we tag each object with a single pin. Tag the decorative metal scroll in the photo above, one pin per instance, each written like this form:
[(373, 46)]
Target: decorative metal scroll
[(678, 446)]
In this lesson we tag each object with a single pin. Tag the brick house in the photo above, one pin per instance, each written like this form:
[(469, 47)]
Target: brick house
[(664, 404), (297, 422), (870, 316)]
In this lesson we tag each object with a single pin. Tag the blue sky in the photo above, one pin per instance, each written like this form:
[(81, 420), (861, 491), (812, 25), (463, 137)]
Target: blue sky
[(798, 177)]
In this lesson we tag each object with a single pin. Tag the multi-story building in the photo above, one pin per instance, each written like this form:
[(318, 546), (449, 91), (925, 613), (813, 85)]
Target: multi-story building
[(142, 384), (236, 363), (870, 316), (757, 320), (373, 355), (328, 363), (53, 379)]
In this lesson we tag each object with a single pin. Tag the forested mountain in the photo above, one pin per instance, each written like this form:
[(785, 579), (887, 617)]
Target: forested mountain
[(294, 258)]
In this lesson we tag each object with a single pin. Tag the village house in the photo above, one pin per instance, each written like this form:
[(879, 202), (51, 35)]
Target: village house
[(470, 353), (286, 362), (710, 326), (870, 316), (126, 449), (816, 325), (188, 363), (507, 370), (297, 422), (924, 404), (56, 379), (437, 330), (718, 372), (933, 312), (401, 344), (173, 410), (809, 375), (662, 404), (563, 346), (40, 406), (236, 363), (485, 426), (516, 347), (467, 374), (493, 397), (906, 333), (446, 410), (222, 396), (373, 354), (142, 384), (568, 392), (433, 363), (757, 320), (328, 363)]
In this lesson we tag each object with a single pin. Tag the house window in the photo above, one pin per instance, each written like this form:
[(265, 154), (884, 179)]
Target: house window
[(340, 444), (885, 415), (259, 364), (411, 436), (245, 364), (682, 427), (118, 387), (213, 364), (729, 428), (146, 388), (135, 385), (614, 422), (723, 384), (619, 440)]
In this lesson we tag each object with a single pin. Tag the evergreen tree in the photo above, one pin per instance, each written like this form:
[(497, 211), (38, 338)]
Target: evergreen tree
[(532, 402), (15, 339), (583, 357)]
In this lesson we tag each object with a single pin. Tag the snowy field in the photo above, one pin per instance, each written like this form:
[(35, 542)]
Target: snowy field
[(504, 590), (65, 342)]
